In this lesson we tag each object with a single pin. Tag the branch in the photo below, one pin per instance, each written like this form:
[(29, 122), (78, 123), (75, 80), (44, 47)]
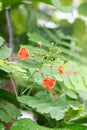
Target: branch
[(10, 44), (9, 24)]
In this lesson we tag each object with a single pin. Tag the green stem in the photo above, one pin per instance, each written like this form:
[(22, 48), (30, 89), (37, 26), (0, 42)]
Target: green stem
[(30, 90), (59, 124), (29, 86), (26, 90), (14, 87)]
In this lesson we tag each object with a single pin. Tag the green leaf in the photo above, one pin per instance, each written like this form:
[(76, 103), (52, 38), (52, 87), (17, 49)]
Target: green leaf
[(0, 6), (3, 75), (14, 66), (82, 9), (46, 70), (4, 66), (7, 111), (6, 3), (34, 37), (37, 77), (19, 17), (1, 41), (44, 105), (75, 81), (14, 70), (12, 111), (74, 127), (55, 66), (62, 43), (4, 52), (74, 112), (27, 124), (7, 96), (4, 116), (71, 93), (60, 7), (66, 3), (45, 1), (79, 29), (2, 127)]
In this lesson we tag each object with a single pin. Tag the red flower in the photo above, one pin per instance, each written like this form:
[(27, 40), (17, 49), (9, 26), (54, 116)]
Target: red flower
[(61, 69), (48, 83), (23, 53)]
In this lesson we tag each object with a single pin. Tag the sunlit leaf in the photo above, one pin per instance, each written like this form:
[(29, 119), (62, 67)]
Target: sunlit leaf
[(7, 111), (26, 123), (19, 20), (1, 41), (60, 7), (82, 9), (44, 105), (79, 28), (66, 3), (5, 52)]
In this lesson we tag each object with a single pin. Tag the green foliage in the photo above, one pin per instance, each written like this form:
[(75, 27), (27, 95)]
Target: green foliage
[(7, 111), (77, 25), (7, 96), (12, 68), (4, 50), (26, 123), (68, 82), (67, 104), (19, 20), (82, 9), (57, 110), (34, 37), (9, 3), (66, 3), (60, 7), (58, 38), (2, 126), (1, 41)]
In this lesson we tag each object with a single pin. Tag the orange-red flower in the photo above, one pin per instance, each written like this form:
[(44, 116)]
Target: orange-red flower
[(23, 53), (48, 83), (61, 69)]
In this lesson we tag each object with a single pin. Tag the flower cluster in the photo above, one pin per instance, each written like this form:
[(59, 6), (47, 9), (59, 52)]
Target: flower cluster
[(48, 82)]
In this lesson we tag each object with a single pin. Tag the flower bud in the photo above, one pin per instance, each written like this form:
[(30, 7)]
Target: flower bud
[(37, 70)]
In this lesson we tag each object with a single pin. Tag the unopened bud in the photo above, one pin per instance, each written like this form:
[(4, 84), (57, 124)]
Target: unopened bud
[(39, 43), (37, 70), (32, 55), (43, 57), (58, 51), (50, 66)]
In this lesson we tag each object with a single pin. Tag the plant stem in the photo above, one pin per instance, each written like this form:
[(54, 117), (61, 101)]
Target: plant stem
[(9, 24), (14, 87), (28, 81), (11, 43)]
